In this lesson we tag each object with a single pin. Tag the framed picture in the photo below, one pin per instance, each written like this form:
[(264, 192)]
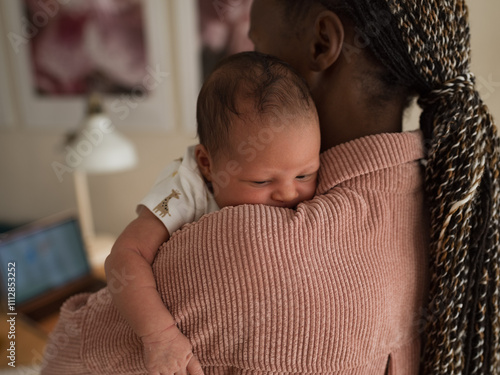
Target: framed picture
[(62, 51), (186, 58), (223, 29), (7, 116)]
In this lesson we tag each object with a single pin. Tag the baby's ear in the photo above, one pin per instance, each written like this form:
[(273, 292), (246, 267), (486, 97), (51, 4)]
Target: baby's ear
[(204, 161)]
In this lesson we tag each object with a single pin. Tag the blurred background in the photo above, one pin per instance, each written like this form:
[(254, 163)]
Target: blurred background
[(52, 57)]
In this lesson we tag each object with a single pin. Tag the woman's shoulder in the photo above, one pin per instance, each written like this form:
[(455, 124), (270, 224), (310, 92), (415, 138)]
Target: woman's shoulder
[(368, 155)]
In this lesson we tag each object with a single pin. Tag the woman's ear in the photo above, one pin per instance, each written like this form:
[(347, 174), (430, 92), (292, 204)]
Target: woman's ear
[(204, 161), (327, 40)]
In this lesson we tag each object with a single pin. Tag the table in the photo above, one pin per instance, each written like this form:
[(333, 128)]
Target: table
[(30, 336)]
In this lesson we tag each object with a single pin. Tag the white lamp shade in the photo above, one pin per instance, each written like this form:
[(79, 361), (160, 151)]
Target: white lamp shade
[(102, 148)]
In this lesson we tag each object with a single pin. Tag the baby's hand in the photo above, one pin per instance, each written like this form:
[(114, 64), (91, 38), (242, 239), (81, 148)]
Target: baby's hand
[(169, 352)]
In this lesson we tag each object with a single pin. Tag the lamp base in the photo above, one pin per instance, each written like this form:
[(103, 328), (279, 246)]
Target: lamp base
[(98, 248)]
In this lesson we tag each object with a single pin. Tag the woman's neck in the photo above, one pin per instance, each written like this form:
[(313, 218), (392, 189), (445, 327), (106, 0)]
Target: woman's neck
[(350, 123), (352, 113)]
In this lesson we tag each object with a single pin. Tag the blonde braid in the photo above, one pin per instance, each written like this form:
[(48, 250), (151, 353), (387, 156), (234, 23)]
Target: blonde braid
[(462, 183)]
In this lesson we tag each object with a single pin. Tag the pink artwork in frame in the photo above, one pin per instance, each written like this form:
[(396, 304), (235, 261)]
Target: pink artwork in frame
[(88, 46), (223, 28), (62, 50)]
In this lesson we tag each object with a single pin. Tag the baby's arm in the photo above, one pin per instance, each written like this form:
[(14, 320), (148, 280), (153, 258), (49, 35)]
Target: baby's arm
[(133, 287)]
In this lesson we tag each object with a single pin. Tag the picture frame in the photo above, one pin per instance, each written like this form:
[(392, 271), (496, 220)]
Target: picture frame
[(7, 113), (186, 56), (155, 111)]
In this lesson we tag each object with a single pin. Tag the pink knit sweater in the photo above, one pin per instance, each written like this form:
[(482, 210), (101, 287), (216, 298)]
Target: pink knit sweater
[(335, 287)]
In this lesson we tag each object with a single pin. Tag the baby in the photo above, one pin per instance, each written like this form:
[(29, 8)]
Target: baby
[(259, 144)]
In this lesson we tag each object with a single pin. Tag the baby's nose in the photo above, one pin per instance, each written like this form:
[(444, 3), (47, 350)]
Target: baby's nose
[(285, 193)]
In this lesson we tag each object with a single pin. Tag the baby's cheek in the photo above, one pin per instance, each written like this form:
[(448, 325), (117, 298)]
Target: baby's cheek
[(258, 196), (246, 195), (309, 191)]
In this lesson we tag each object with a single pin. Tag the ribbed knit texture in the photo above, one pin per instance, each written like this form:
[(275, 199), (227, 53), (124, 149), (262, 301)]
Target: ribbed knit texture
[(335, 287)]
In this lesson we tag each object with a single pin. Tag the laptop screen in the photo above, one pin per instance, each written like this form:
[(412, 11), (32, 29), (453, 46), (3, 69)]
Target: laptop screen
[(46, 256)]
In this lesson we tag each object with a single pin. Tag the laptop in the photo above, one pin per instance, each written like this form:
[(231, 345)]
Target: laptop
[(48, 262)]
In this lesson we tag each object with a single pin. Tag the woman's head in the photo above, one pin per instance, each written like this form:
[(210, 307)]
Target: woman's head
[(347, 82), (412, 41), (404, 48)]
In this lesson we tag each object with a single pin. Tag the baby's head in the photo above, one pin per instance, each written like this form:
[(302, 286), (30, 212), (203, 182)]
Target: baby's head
[(259, 133)]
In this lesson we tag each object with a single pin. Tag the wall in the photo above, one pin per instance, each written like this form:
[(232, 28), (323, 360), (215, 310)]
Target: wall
[(29, 189)]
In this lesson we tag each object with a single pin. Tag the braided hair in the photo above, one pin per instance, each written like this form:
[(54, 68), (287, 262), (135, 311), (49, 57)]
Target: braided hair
[(425, 46)]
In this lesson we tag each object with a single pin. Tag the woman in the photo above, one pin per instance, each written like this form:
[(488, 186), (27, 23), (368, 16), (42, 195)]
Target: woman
[(397, 49), (339, 286)]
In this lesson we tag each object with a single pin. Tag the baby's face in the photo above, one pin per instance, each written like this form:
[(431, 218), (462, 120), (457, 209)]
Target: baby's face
[(276, 165)]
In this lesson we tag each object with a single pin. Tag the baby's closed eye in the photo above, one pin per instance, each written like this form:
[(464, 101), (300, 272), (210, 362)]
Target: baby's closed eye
[(305, 177), (260, 183)]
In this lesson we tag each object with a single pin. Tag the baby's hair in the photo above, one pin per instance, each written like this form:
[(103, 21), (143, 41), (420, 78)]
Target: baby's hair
[(270, 85), (425, 45)]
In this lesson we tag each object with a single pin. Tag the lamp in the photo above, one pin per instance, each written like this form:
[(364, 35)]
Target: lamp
[(104, 150)]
